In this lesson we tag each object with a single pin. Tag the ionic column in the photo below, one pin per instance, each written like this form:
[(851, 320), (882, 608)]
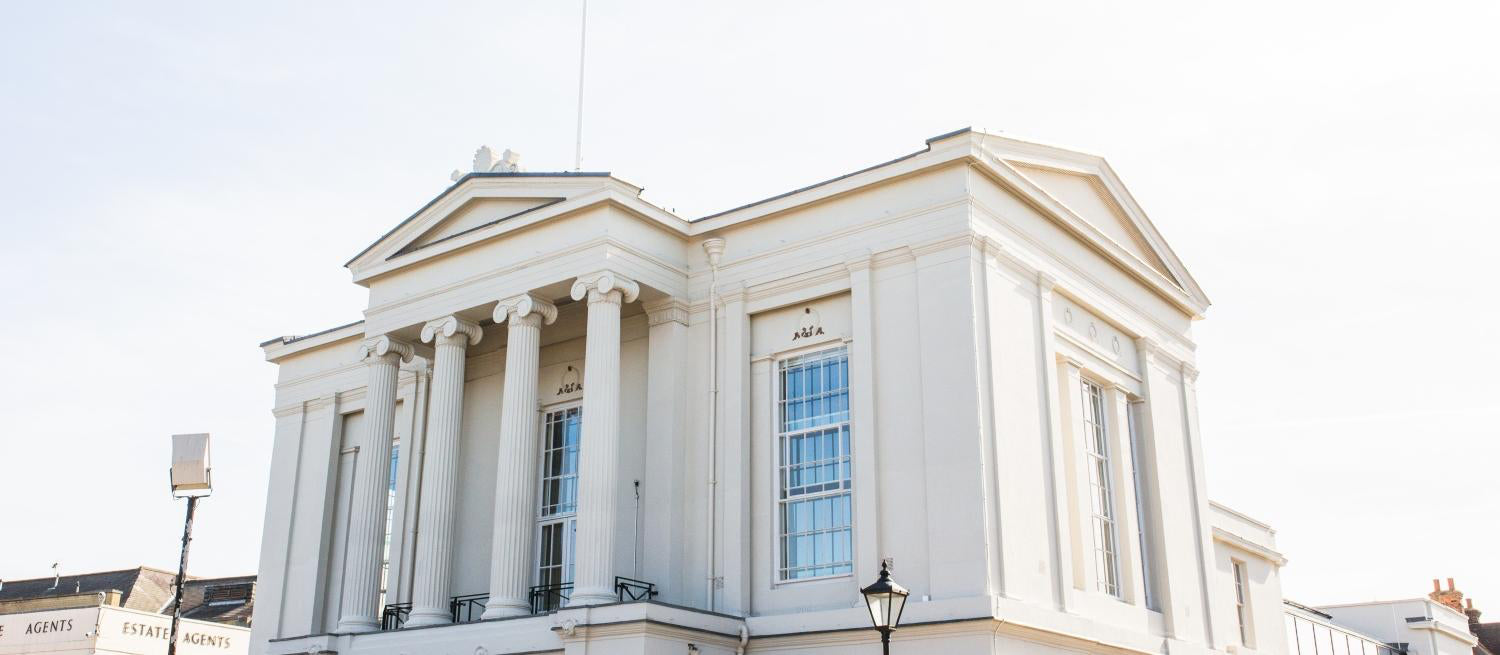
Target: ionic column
[(515, 479), (598, 466), (434, 564), (360, 611)]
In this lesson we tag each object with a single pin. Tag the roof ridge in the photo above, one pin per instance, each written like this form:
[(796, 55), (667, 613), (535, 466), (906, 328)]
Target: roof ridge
[(76, 575)]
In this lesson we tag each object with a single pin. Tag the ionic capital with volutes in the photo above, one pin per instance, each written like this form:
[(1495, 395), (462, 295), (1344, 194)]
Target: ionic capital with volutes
[(526, 309), (449, 329), (383, 348), (601, 286)]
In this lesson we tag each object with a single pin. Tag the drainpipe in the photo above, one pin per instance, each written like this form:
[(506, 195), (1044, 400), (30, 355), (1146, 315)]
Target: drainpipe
[(715, 249), (744, 639)]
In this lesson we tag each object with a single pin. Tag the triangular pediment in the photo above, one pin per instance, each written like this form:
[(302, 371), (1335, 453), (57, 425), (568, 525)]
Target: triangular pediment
[(1087, 197), (485, 206), (472, 215)]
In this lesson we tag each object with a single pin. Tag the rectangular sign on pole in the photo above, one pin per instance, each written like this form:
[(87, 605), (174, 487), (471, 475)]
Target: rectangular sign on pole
[(190, 467)]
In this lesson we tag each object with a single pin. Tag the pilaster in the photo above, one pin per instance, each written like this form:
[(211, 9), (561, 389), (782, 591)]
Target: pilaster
[(1127, 522), (1056, 457), (1080, 536), (1164, 445), (663, 542), (868, 551), (734, 541), (1212, 602)]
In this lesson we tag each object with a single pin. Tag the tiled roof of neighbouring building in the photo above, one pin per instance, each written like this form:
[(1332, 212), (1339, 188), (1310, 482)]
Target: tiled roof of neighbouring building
[(222, 600)]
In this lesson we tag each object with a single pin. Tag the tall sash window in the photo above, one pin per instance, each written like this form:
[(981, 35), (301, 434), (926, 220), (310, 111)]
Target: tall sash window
[(814, 466), (1101, 492), (390, 512), (557, 522)]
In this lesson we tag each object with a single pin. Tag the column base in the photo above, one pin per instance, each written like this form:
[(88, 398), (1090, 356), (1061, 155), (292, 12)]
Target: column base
[(427, 616), (505, 608), (597, 596), (351, 624)]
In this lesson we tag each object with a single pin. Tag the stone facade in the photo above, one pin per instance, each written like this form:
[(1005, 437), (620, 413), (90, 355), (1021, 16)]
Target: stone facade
[(620, 431)]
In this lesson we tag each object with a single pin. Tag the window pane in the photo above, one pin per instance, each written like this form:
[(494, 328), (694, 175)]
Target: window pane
[(1101, 498), (560, 440)]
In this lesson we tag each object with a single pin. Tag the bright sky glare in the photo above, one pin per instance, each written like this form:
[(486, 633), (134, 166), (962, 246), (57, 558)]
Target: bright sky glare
[(181, 181)]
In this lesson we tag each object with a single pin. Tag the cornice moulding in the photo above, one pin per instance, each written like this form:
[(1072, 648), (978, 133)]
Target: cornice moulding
[(1227, 537), (1095, 353), (278, 349), (1242, 516)]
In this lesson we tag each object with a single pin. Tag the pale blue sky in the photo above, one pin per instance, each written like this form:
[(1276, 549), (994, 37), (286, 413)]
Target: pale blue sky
[(181, 181)]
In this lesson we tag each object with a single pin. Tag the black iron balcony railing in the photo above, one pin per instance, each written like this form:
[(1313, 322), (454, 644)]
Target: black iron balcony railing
[(629, 589), (462, 609), (549, 597), (467, 609), (543, 599), (394, 616)]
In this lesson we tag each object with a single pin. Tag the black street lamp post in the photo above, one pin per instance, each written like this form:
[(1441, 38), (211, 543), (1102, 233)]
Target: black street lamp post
[(885, 599)]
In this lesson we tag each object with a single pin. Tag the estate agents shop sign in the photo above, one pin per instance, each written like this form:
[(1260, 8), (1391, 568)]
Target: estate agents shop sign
[(55, 627), (146, 633)]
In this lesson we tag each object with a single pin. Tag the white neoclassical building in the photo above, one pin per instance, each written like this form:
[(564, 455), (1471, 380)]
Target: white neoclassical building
[(573, 422)]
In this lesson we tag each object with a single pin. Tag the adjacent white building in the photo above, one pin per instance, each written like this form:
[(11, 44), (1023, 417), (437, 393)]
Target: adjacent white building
[(1421, 626), (1310, 631), (572, 421)]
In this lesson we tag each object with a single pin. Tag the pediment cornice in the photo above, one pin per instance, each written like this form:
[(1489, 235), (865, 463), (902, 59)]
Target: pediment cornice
[(558, 194)]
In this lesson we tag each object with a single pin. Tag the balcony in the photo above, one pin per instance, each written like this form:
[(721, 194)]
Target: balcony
[(544, 599), (631, 626)]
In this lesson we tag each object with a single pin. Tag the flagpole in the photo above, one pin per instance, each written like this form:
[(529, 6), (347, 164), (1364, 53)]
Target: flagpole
[(582, 41)]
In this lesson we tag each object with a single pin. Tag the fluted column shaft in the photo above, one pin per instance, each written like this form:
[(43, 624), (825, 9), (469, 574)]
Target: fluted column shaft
[(516, 479), (434, 565), (598, 466), (360, 611)]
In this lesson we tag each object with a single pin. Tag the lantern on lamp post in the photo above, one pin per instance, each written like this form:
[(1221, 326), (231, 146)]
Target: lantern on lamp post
[(885, 599), (191, 480)]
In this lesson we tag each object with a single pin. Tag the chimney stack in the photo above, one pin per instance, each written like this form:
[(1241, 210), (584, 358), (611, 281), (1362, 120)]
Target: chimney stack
[(1451, 596)]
